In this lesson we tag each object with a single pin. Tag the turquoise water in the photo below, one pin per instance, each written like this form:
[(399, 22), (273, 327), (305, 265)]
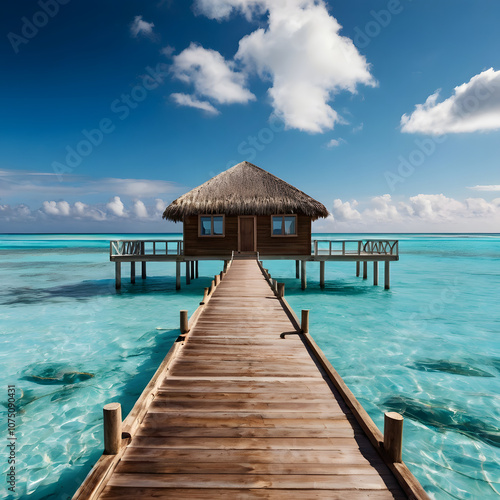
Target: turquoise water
[(429, 348)]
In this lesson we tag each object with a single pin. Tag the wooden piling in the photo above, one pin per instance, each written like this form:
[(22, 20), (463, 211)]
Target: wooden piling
[(192, 269), (212, 287), (112, 414), (357, 268), (118, 275), (205, 295), (177, 275), (365, 270), (281, 289), (184, 321), (196, 271), (304, 324), (132, 272), (322, 274), (303, 274), (143, 270), (387, 275), (225, 266), (217, 279), (188, 280), (297, 269), (393, 436), (375, 273)]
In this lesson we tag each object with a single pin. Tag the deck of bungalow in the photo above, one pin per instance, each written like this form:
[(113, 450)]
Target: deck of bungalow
[(362, 252), (245, 405)]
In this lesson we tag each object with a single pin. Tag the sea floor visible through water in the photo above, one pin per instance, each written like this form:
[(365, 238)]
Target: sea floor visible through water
[(428, 348)]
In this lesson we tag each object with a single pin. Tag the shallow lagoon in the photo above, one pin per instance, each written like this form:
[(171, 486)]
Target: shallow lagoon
[(429, 347)]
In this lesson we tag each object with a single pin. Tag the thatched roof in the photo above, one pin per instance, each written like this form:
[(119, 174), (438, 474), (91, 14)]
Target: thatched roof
[(244, 189)]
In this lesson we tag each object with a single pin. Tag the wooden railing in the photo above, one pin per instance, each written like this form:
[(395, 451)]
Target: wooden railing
[(355, 247), (145, 247)]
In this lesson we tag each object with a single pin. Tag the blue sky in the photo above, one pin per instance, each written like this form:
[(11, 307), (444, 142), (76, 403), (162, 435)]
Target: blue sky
[(388, 112)]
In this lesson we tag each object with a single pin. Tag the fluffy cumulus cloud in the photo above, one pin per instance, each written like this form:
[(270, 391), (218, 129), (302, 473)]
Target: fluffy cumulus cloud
[(141, 27), (302, 54), (429, 211), (211, 76), (473, 107), (140, 209), (56, 208), (116, 207)]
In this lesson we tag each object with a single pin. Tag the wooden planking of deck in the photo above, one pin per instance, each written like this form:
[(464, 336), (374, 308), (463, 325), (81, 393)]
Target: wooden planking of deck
[(243, 413)]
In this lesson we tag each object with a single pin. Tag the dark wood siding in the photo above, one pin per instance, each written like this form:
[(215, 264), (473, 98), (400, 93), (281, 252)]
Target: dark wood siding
[(266, 244)]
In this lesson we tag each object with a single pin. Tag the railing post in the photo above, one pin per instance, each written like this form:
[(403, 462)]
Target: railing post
[(393, 436), (304, 324), (315, 247), (184, 321), (112, 422), (217, 279), (281, 289)]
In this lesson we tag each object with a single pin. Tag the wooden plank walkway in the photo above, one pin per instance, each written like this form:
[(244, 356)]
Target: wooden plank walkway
[(245, 414)]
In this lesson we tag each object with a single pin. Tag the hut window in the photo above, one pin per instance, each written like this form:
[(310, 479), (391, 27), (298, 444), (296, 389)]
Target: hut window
[(211, 225), (284, 225)]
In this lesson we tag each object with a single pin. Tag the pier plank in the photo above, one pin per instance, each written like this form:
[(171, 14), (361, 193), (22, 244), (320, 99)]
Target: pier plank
[(242, 414)]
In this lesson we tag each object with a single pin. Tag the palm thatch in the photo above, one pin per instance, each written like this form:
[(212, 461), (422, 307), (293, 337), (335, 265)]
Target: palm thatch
[(244, 189)]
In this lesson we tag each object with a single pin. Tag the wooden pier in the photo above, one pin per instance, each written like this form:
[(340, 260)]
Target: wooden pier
[(322, 251), (245, 405)]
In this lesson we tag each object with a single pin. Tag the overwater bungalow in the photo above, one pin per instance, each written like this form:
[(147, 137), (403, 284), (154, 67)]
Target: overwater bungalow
[(247, 211)]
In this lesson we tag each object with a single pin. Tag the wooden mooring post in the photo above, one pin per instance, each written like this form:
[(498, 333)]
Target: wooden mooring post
[(205, 296), (393, 436), (112, 422), (281, 289), (184, 321), (304, 324)]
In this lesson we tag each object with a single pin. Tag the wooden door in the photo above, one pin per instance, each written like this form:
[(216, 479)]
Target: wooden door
[(247, 234)]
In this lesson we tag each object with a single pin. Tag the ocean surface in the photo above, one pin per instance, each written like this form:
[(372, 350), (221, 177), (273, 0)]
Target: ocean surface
[(429, 348)]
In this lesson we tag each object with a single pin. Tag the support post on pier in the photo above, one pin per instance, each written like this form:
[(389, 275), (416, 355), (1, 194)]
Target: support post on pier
[(112, 414), (387, 275), (205, 296), (197, 274), (225, 266), (304, 324), (322, 273), (217, 279), (357, 268), (365, 270), (297, 269), (143, 263), (192, 269), (212, 287), (188, 280), (184, 321), (303, 274), (177, 275), (132, 272), (281, 289), (375, 273), (118, 275), (393, 436)]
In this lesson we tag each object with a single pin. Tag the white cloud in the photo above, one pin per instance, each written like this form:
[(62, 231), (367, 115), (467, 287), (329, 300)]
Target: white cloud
[(140, 209), (333, 143), (357, 129), (212, 77), (82, 210), (141, 27), (307, 60), (160, 207), (474, 107), (425, 212), (116, 207), (193, 102), (222, 9), (56, 208), (168, 51), (493, 187)]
